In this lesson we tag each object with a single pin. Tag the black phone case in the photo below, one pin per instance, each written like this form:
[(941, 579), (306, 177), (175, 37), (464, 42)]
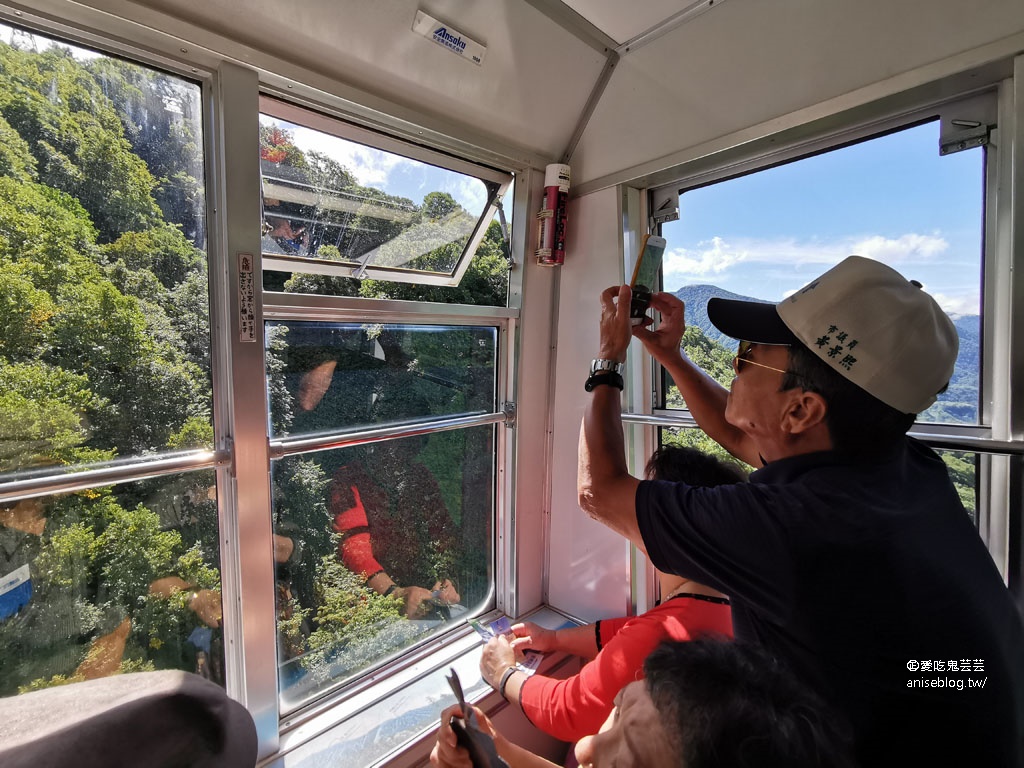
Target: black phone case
[(479, 745)]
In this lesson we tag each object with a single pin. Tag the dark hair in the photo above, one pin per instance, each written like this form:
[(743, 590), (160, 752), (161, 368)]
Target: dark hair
[(732, 705), (859, 423), (681, 464)]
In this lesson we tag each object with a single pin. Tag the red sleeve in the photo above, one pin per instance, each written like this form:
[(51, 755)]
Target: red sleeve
[(354, 547), (577, 706), (609, 628)]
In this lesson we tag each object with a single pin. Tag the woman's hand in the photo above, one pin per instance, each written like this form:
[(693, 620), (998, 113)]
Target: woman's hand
[(418, 601), (206, 604), (445, 592), (534, 637), (497, 657)]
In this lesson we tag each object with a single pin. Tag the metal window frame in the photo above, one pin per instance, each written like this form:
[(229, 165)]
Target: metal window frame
[(341, 703)]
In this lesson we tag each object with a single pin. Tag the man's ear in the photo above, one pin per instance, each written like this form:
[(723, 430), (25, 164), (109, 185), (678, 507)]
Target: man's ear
[(805, 412)]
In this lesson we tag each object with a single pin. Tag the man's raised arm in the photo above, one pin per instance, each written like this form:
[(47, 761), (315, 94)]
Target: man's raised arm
[(606, 489)]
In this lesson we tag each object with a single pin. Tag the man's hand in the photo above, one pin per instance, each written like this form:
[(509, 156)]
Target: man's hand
[(497, 657), (663, 344), (615, 325), (534, 637), (447, 753)]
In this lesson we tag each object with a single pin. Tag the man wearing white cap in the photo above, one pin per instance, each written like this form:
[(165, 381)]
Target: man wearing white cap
[(848, 554)]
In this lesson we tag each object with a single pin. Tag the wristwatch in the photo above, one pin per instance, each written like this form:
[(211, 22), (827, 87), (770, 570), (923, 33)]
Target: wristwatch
[(599, 364)]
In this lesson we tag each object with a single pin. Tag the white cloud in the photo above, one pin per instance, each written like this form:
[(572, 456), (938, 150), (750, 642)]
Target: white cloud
[(718, 256), (370, 166), (903, 249), (470, 193), (967, 304)]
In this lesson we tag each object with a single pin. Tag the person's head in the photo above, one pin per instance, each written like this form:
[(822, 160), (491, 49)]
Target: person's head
[(713, 704), (853, 356), (682, 464)]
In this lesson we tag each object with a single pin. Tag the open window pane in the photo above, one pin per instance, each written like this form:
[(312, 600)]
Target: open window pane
[(892, 198), (414, 512), (111, 580), (326, 377), (337, 205)]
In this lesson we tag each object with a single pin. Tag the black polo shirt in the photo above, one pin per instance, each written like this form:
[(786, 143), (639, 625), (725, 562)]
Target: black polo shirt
[(869, 580)]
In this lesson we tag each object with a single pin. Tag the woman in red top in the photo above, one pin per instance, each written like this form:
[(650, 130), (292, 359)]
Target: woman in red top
[(575, 707)]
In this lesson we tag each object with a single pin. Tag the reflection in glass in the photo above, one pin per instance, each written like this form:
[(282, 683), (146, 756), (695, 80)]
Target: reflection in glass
[(386, 544), (963, 471), (323, 198), (111, 580), (105, 345), (339, 376)]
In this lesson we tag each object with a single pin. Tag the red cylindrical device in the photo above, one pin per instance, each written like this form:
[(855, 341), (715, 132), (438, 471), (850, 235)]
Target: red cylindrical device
[(552, 217)]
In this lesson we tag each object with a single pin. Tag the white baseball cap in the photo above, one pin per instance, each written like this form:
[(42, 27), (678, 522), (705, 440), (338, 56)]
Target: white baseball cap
[(869, 323)]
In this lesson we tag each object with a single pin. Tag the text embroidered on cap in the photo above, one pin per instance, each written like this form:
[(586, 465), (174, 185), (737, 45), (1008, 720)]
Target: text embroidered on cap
[(839, 346)]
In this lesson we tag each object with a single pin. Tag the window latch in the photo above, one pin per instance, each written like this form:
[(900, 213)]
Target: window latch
[(509, 409)]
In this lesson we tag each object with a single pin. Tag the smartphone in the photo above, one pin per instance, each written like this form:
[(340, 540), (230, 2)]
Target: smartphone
[(645, 276)]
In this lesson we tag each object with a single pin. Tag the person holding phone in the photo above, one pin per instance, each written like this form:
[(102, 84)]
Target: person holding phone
[(615, 649), (848, 554), (701, 703)]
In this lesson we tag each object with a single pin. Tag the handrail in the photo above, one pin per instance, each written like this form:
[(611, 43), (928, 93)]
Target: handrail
[(324, 442), (129, 471), (946, 441)]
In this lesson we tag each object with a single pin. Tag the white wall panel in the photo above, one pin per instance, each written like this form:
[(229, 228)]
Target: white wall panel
[(539, 303), (683, 89), (589, 565)]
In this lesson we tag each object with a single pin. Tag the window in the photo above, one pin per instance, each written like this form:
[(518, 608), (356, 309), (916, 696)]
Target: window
[(381, 414), (105, 377), (892, 198), (380, 544), (340, 210)]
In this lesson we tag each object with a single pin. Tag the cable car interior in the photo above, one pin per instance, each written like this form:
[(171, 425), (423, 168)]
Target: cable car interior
[(299, 300)]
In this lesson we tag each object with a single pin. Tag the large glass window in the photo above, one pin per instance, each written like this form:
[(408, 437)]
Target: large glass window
[(341, 376), (892, 198), (764, 235), (104, 361), (382, 544)]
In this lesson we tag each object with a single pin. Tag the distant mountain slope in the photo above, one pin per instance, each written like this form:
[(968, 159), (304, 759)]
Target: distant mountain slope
[(959, 404), (695, 297)]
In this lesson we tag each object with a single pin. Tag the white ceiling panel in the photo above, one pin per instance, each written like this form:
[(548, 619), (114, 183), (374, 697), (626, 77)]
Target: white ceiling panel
[(622, 20), (529, 91)]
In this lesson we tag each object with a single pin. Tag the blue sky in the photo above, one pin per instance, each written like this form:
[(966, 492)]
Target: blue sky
[(893, 199)]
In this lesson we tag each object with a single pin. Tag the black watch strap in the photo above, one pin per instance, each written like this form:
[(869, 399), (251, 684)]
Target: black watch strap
[(611, 378)]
